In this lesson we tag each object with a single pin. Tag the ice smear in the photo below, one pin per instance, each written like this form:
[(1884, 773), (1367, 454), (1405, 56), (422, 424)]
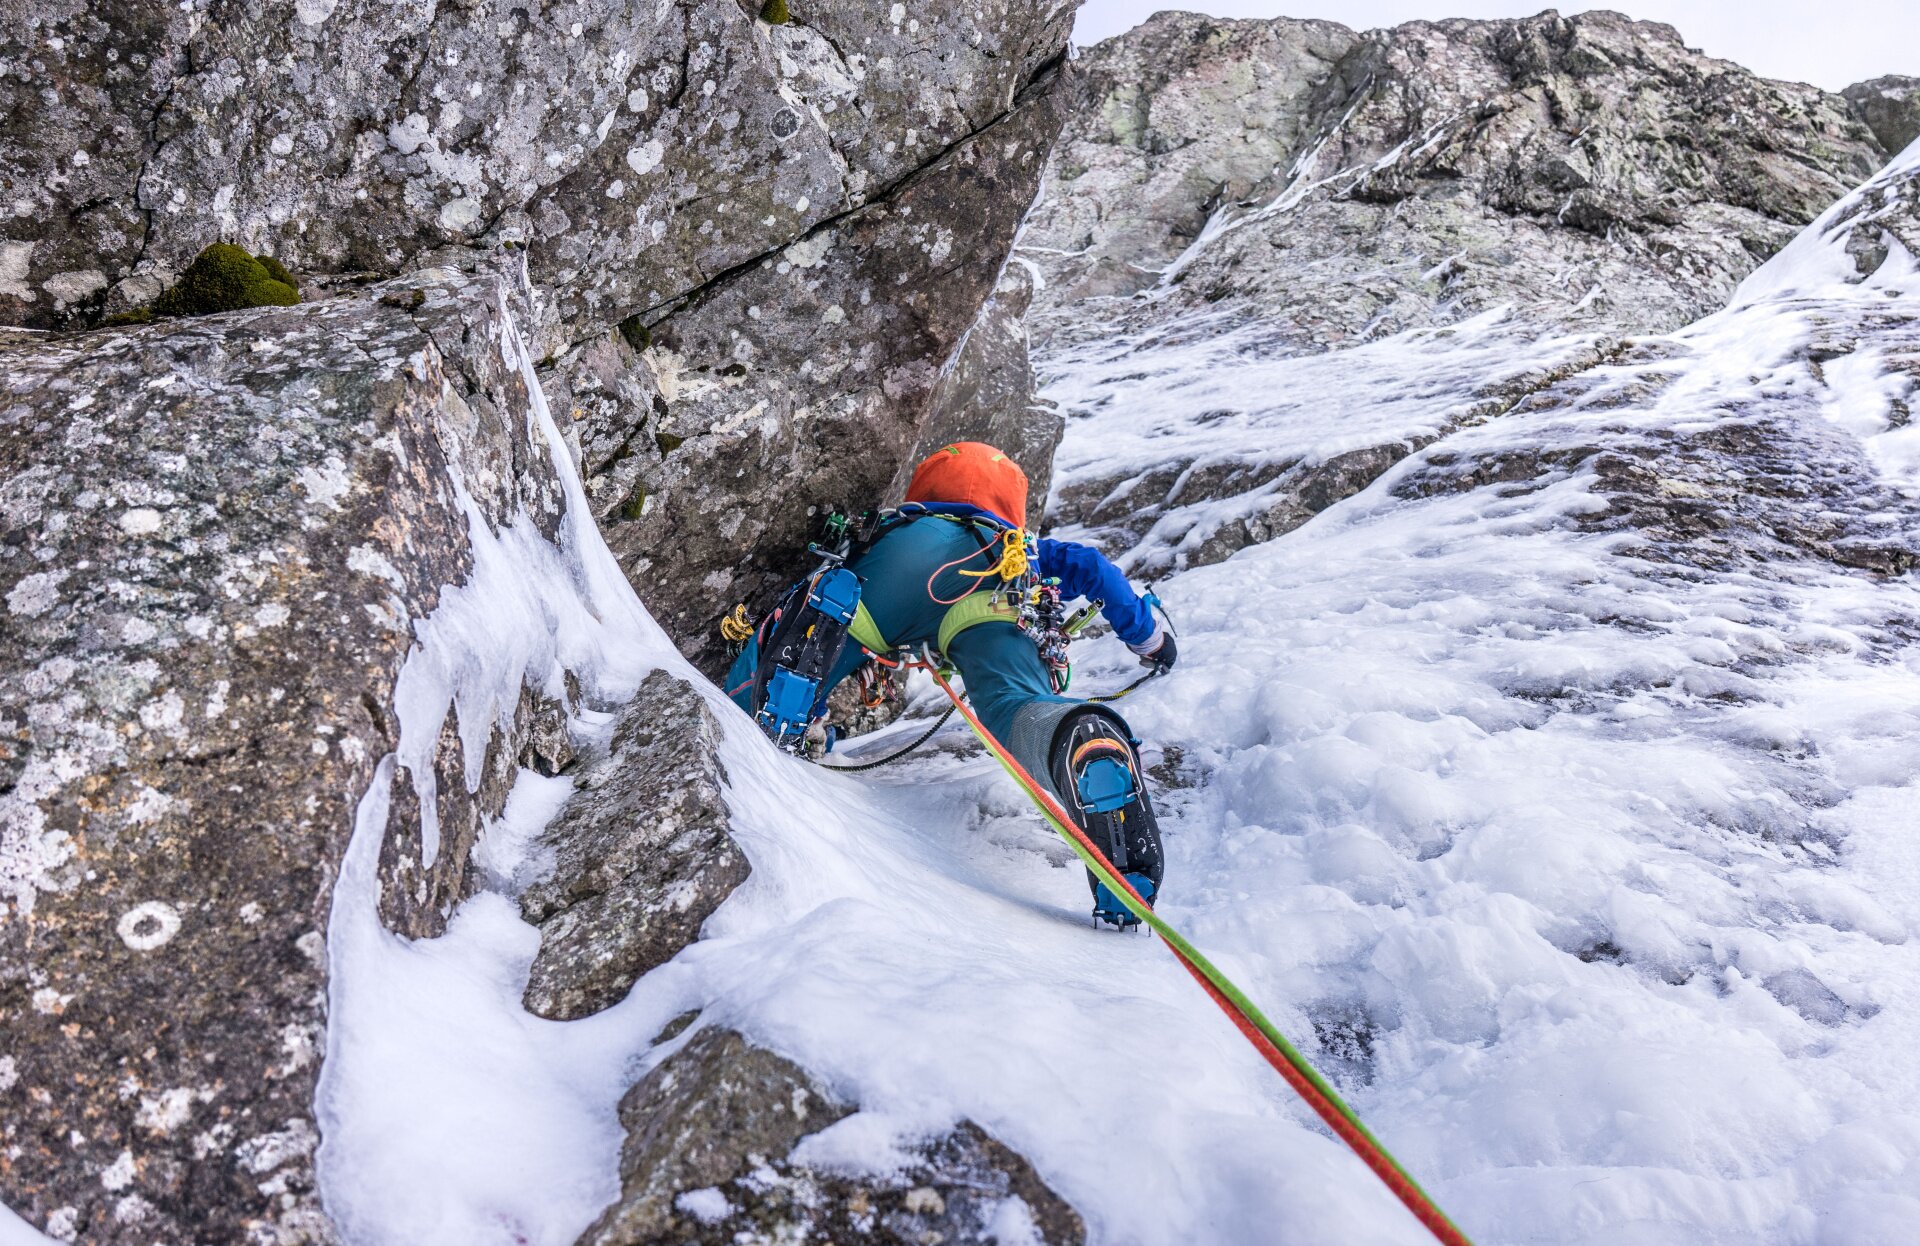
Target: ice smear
[(1816, 263), (1589, 867), (875, 942), (1215, 392), (448, 1113)]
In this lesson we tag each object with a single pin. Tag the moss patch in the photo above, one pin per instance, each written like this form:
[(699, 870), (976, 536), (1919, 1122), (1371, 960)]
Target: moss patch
[(225, 278), (668, 442), (774, 13), (139, 315), (637, 334), (636, 505), (278, 271)]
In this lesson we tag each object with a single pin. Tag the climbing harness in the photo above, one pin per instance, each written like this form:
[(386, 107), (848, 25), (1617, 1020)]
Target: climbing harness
[(784, 684), (1265, 1037)]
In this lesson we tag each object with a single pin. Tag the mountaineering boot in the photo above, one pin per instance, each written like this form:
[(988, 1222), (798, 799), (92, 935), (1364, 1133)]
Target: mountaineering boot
[(1097, 773)]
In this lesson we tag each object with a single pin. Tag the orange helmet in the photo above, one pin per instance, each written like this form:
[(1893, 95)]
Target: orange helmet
[(974, 474)]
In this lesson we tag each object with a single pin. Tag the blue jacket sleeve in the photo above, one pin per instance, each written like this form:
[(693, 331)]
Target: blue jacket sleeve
[(1084, 572)]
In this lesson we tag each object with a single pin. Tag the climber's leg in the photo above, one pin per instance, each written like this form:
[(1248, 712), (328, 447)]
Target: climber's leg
[(1085, 753)]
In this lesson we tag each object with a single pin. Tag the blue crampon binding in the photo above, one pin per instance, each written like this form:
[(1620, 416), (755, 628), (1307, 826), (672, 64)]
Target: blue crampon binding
[(835, 594), (1105, 785), (1109, 908)]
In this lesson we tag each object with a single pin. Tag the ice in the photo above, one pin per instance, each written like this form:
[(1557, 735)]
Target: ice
[(1218, 393), (448, 1113), (1816, 262)]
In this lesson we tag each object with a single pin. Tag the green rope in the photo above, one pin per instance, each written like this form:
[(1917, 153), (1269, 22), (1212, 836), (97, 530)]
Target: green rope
[(1406, 1188)]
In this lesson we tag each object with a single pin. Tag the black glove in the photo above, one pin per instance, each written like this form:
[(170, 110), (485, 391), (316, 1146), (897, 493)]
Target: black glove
[(1161, 655)]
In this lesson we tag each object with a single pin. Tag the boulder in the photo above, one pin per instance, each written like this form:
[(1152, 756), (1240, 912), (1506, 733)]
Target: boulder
[(709, 1161), (215, 537), (642, 855), (1890, 107)]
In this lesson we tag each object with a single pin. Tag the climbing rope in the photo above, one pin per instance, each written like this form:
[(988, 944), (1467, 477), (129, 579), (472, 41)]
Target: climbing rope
[(942, 721), (1013, 558), (1260, 1032)]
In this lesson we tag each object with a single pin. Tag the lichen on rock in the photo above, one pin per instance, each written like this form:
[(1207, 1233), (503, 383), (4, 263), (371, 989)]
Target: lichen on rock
[(215, 535)]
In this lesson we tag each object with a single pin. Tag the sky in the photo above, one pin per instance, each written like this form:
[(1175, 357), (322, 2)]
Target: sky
[(1830, 43)]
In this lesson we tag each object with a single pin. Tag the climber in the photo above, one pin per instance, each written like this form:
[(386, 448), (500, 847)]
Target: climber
[(929, 576)]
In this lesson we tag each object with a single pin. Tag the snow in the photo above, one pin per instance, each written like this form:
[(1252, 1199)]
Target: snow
[(1215, 391), (17, 1232), (709, 1206), (448, 1113), (1588, 878), (1816, 263)]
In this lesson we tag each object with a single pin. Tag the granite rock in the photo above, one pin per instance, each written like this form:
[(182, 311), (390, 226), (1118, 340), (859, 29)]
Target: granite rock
[(709, 1161), (215, 538), (1890, 107), (642, 855), (1587, 170)]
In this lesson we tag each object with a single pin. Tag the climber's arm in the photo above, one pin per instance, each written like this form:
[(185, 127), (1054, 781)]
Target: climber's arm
[(1084, 572)]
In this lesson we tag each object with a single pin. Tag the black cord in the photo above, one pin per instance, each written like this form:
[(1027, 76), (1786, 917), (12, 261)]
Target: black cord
[(1155, 673), (869, 765)]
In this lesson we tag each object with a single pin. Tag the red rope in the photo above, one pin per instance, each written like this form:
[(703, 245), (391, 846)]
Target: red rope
[(1414, 1199), (1344, 1126)]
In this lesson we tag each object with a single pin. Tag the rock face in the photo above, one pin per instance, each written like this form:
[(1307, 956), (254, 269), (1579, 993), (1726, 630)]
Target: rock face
[(805, 217), (1787, 482), (986, 393), (742, 256), (1229, 192), (642, 855), (1587, 170), (708, 1160), (215, 537), (1890, 107), (639, 149), (805, 380)]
